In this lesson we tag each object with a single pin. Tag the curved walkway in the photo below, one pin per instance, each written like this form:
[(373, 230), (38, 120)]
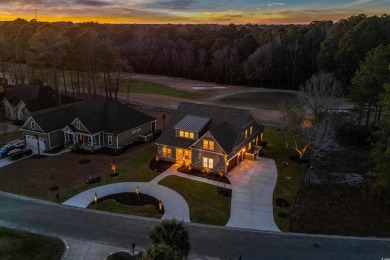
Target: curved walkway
[(174, 204), (253, 184)]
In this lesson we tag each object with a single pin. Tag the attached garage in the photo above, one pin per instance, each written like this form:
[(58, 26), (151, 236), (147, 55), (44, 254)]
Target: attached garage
[(31, 142)]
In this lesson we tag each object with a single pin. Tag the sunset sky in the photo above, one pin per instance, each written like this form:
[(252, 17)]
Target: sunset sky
[(190, 11)]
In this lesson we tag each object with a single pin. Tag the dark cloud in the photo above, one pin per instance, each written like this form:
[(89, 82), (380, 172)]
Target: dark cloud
[(90, 3), (182, 5)]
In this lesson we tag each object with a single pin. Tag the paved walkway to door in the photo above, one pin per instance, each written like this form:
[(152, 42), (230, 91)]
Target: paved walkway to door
[(253, 183)]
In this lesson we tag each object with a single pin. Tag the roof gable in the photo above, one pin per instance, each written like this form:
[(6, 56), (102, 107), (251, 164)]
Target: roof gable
[(225, 124)]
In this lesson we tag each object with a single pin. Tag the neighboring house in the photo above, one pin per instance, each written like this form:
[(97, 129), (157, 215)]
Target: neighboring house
[(210, 137), (20, 102), (90, 124)]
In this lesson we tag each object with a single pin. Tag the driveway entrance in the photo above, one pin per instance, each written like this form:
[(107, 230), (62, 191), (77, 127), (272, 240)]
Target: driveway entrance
[(253, 183)]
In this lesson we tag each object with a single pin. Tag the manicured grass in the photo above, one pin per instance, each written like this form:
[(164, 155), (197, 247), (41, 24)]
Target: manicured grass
[(111, 205), (21, 245), (290, 174), (7, 137), (135, 169), (262, 100), (139, 86), (206, 205)]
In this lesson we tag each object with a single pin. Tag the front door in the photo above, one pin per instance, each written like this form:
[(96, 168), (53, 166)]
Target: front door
[(179, 155)]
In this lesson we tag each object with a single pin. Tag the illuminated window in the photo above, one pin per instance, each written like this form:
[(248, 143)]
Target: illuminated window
[(186, 134), (251, 130), (167, 152), (208, 145), (246, 133), (257, 140), (208, 162), (249, 146)]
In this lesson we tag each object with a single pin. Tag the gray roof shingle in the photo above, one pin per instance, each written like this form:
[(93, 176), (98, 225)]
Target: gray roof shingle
[(96, 115), (192, 123)]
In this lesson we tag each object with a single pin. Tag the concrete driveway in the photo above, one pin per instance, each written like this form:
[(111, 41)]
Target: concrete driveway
[(175, 207), (253, 183)]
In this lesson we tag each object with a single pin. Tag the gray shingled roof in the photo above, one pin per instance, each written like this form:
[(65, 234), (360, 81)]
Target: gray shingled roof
[(96, 115), (225, 125), (192, 123)]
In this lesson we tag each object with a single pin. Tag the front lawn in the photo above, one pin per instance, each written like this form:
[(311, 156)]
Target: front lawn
[(135, 169), (262, 100), (206, 205), (140, 86), (290, 175), (21, 245), (33, 177)]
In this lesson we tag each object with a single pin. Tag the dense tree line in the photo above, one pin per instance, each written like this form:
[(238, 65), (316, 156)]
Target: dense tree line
[(274, 56)]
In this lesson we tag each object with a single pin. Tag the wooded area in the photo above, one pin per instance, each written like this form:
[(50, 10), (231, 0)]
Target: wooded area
[(272, 56)]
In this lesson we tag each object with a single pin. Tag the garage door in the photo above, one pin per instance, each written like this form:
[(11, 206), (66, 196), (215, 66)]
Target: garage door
[(31, 143)]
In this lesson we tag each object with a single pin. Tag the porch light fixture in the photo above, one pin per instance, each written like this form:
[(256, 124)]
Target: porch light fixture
[(137, 190), (95, 198)]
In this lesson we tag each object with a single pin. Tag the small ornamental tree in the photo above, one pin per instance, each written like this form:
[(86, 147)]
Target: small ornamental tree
[(172, 238)]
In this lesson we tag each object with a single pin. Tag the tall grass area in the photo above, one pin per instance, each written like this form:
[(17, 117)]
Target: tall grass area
[(140, 86), (133, 86), (22, 245), (290, 174), (206, 205), (262, 100)]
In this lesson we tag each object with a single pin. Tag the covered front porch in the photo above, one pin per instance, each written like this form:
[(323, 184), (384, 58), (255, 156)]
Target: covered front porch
[(183, 156), (85, 141)]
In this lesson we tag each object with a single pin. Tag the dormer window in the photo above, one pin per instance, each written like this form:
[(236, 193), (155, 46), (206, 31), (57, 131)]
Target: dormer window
[(32, 125), (246, 133), (251, 130), (78, 125), (186, 134), (208, 145)]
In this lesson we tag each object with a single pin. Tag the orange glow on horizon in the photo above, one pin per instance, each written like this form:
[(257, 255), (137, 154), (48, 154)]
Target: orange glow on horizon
[(281, 17)]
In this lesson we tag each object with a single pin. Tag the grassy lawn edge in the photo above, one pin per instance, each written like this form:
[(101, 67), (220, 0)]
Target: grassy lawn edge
[(290, 175), (16, 244)]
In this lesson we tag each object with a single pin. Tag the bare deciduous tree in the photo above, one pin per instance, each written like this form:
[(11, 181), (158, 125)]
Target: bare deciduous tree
[(308, 136), (321, 92)]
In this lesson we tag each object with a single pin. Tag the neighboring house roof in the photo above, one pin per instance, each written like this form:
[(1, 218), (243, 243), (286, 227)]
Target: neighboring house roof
[(225, 125), (96, 115), (192, 123), (35, 98)]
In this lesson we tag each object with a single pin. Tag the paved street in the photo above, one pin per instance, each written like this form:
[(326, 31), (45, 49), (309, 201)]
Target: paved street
[(207, 241)]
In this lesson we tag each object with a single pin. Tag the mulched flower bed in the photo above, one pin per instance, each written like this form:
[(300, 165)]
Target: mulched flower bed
[(224, 192), (93, 180), (132, 199), (159, 166), (210, 176), (124, 256)]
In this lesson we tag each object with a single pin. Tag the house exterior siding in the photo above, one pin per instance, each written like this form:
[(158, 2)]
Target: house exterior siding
[(133, 134), (9, 110), (56, 139), (27, 126), (234, 133)]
